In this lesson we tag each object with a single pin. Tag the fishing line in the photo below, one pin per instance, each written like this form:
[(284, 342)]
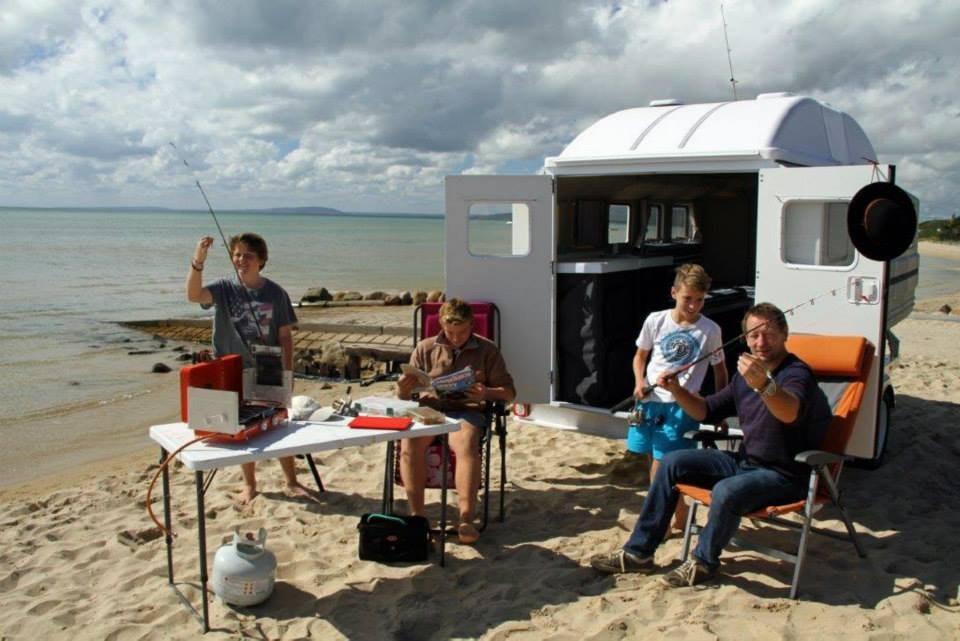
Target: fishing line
[(226, 247), (627, 402)]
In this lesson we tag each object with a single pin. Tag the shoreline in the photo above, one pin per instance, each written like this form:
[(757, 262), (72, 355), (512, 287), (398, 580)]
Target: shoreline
[(76, 461), (939, 249)]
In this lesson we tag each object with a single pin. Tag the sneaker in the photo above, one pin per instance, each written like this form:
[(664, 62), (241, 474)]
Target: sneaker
[(690, 572), (621, 561)]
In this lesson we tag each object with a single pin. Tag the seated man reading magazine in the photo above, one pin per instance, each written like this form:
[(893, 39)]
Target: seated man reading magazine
[(453, 350)]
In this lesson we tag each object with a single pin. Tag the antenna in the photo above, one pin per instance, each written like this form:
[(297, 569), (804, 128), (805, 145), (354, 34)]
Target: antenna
[(733, 80)]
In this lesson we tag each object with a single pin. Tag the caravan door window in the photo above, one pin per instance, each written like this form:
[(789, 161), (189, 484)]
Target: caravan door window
[(498, 229), (618, 224), (815, 233), (681, 223)]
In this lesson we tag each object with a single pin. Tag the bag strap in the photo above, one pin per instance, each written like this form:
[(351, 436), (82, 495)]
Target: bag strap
[(387, 517)]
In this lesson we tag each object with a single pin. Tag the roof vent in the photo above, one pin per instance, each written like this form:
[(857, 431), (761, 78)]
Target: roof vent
[(775, 94), (666, 102)]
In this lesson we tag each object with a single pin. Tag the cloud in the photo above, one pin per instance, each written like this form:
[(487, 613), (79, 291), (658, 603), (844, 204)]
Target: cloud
[(367, 105)]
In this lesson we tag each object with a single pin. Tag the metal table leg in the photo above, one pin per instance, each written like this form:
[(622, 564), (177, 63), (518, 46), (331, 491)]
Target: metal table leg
[(166, 516), (313, 470), (386, 503), (202, 537), (443, 500), (203, 618)]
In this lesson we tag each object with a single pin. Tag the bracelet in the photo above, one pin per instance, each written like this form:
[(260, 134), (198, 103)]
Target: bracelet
[(193, 263)]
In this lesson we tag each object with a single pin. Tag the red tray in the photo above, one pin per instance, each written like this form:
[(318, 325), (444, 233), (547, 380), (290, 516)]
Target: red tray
[(380, 423)]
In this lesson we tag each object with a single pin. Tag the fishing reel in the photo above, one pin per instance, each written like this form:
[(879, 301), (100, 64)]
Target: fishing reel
[(635, 417), (344, 405)]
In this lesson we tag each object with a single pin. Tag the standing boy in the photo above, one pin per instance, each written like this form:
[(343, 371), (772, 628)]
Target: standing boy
[(671, 339), (251, 310)]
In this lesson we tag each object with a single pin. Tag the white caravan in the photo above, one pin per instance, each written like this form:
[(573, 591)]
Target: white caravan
[(754, 190)]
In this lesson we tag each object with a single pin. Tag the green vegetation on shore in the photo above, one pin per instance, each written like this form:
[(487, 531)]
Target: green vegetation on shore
[(945, 229)]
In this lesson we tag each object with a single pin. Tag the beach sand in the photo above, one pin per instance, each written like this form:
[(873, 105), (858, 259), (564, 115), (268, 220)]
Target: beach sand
[(70, 570)]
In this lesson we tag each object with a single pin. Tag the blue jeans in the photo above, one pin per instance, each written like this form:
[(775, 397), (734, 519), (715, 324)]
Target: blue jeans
[(738, 488)]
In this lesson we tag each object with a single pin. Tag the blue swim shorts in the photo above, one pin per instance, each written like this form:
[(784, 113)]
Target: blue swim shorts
[(661, 430)]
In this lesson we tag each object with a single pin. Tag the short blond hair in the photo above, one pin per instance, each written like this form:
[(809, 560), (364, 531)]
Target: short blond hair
[(692, 276), (456, 311)]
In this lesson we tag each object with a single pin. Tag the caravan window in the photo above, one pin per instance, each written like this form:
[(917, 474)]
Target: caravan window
[(498, 229), (682, 226), (655, 213), (815, 233), (618, 224)]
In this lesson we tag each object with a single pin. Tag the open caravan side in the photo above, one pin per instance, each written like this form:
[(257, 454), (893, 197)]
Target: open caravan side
[(756, 191)]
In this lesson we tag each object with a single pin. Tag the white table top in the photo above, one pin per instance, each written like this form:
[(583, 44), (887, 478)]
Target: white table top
[(297, 437)]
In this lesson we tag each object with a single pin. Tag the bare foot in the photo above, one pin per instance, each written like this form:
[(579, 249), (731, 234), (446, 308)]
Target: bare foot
[(247, 494), (467, 534), (299, 490)]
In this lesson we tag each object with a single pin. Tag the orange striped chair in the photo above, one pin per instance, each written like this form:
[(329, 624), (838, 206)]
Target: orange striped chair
[(841, 364)]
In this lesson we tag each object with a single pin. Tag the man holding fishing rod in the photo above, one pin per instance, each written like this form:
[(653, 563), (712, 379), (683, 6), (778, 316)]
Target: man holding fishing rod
[(250, 309), (782, 412)]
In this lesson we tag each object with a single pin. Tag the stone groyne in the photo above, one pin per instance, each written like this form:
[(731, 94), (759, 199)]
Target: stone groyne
[(342, 350)]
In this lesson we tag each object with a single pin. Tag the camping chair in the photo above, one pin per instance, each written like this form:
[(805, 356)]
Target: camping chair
[(841, 365), (486, 323)]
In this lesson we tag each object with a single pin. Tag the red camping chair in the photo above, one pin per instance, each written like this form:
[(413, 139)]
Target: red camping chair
[(841, 365), (486, 323)]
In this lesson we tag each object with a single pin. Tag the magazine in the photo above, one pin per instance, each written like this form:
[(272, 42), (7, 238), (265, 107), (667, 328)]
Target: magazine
[(455, 383)]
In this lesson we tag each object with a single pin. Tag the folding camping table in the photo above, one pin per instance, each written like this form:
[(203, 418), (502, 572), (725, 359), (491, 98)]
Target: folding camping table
[(295, 438)]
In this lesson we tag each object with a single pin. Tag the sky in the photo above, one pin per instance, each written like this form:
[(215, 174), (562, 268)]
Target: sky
[(365, 105)]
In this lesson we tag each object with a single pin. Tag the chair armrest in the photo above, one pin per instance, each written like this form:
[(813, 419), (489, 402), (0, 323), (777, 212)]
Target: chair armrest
[(706, 436), (816, 458)]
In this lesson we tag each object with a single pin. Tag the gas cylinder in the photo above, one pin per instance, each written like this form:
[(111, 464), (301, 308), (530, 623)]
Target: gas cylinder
[(244, 570)]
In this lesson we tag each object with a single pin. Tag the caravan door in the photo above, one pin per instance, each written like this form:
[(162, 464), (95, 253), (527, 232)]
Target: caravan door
[(499, 248), (805, 258)]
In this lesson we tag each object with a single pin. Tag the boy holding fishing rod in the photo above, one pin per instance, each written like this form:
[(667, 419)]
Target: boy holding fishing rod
[(669, 340), (249, 309)]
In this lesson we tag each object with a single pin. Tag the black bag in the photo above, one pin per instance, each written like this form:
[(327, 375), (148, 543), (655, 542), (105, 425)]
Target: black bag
[(388, 539)]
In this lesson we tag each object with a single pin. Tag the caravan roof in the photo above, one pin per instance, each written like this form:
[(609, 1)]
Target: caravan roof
[(744, 135)]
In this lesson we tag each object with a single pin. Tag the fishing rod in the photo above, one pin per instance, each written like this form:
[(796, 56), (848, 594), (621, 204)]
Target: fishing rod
[(226, 247), (630, 400)]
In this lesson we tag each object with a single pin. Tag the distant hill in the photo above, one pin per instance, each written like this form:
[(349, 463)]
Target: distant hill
[(940, 229), (296, 210), (306, 211)]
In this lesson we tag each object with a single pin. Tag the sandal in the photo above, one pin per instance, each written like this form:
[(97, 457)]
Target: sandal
[(467, 533)]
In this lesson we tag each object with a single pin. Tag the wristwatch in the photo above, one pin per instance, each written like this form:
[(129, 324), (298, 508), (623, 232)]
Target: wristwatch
[(770, 388)]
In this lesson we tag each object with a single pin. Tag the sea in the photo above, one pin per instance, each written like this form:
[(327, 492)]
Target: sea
[(76, 386), (70, 275)]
